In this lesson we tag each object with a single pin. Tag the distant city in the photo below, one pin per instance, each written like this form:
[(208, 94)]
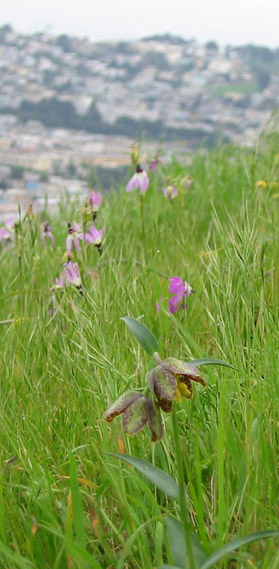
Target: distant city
[(68, 105)]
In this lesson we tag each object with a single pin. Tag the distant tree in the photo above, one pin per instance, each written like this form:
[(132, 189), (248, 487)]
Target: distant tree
[(212, 46), (64, 42), (263, 78), (17, 172), (169, 38), (4, 30)]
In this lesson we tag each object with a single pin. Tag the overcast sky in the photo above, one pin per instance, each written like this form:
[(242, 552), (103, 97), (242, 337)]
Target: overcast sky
[(226, 21)]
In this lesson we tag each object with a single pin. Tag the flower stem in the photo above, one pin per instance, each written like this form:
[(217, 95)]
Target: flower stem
[(142, 224), (190, 560)]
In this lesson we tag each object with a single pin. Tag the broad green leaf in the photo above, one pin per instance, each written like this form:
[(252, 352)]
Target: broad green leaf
[(157, 476), (142, 334), (207, 361), (235, 544), (178, 546)]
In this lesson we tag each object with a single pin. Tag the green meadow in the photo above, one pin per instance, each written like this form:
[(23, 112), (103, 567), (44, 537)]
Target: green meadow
[(65, 501)]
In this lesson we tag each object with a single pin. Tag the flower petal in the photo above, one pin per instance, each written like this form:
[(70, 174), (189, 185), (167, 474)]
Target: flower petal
[(120, 405), (135, 416)]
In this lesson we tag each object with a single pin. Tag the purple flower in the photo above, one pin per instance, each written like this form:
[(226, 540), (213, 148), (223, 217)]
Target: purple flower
[(94, 235), (170, 192), (9, 224), (95, 200), (47, 234), (139, 180), (154, 163), (72, 274), (73, 237), (188, 182), (59, 283), (6, 233), (180, 290)]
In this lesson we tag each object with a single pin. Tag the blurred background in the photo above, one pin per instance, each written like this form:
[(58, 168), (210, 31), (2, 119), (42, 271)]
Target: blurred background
[(80, 81)]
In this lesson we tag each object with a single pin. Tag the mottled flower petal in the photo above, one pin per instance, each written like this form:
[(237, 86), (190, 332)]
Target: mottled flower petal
[(120, 405), (155, 420), (135, 416), (182, 370)]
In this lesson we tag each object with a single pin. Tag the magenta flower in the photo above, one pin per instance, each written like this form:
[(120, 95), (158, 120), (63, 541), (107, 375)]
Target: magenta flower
[(139, 181), (95, 200), (154, 163), (47, 234), (59, 283), (73, 237), (180, 290), (188, 182), (94, 235), (6, 233), (72, 274), (170, 192)]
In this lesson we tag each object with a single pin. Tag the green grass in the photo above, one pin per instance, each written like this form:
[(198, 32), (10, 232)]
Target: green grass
[(66, 503), (245, 88)]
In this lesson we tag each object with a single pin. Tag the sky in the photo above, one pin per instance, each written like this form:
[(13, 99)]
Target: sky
[(232, 22)]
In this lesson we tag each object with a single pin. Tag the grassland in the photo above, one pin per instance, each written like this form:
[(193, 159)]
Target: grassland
[(64, 501)]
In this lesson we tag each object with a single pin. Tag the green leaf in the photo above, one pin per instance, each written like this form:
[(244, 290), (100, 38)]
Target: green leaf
[(168, 567), (178, 546), (77, 504), (207, 361), (235, 544), (142, 334), (157, 476)]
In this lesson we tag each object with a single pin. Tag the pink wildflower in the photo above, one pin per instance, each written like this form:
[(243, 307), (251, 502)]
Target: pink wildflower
[(6, 233), (154, 163), (73, 237), (170, 192), (139, 180), (59, 283), (95, 201), (47, 234), (72, 274), (180, 290)]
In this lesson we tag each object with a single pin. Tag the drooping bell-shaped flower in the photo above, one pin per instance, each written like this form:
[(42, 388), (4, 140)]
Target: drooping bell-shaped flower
[(139, 181), (171, 380), (137, 410), (163, 385)]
